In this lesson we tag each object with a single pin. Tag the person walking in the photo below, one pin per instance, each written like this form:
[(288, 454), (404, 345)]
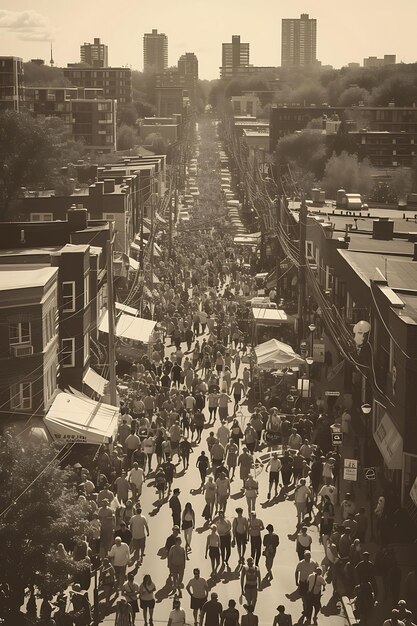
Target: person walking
[(120, 556), (224, 529), (213, 549), (245, 463), (240, 529), (232, 453), (282, 618), (130, 591), (250, 582), (198, 589), (188, 524), (255, 527), (274, 465), (222, 492), (147, 598), (211, 611), (124, 614), (176, 565), (251, 492), (107, 580), (230, 616), (210, 492), (135, 479), (140, 530), (250, 619), (303, 543), (270, 544), (203, 464), (238, 389), (316, 585), (175, 506), (304, 568), (301, 494), (177, 615)]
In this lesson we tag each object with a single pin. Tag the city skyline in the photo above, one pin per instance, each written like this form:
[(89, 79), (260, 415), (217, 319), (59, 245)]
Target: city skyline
[(194, 26)]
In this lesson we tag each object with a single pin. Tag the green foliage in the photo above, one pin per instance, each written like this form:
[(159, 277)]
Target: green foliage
[(46, 514), (127, 114), (345, 171)]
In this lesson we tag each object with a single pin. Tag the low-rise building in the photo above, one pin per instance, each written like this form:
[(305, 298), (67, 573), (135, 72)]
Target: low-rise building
[(116, 82), (28, 339), (11, 83)]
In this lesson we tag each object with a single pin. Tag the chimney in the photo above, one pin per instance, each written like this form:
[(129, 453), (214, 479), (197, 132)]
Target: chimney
[(108, 185), (383, 229), (77, 218)]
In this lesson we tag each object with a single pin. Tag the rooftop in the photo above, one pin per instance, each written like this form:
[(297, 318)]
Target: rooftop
[(25, 278), (400, 272)]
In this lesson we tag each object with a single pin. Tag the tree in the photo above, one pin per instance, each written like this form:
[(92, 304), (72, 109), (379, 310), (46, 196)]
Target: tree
[(126, 137), (346, 172), (305, 150), (156, 143), (127, 114), (400, 183), (45, 76), (44, 512), (25, 150)]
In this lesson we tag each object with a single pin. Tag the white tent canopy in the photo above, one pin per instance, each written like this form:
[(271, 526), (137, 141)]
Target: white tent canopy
[(271, 317), (274, 354), (96, 382), (129, 327), (78, 419)]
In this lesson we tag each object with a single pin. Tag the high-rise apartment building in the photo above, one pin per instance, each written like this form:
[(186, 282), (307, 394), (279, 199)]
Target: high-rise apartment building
[(235, 57), (188, 64), (94, 54), (116, 82), (299, 41), (11, 83), (387, 59), (155, 51)]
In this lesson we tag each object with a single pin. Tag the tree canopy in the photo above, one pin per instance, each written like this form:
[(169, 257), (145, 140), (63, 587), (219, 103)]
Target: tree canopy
[(44, 512)]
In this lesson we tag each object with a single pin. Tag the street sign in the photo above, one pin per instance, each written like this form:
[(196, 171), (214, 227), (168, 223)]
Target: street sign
[(337, 438), (370, 473), (332, 393), (350, 469)]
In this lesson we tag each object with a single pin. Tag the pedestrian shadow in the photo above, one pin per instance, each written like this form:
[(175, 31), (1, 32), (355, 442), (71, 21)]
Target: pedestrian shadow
[(229, 575), (165, 591), (196, 492), (294, 535), (272, 502), (202, 529), (238, 495), (332, 607), (266, 581), (293, 596)]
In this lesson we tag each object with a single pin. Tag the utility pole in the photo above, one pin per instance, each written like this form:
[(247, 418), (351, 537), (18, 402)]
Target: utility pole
[(302, 268), (278, 252), (151, 238), (111, 317), (170, 230)]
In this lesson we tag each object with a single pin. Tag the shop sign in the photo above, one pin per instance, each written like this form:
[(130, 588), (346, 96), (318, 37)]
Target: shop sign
[(318, 351), (350, 469)]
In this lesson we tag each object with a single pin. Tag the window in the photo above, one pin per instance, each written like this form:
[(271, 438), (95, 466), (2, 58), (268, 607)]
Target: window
[(310, 251), (68, 296), (50, 382), (68, 352), (86, 289), (19, 333), (21, 396), (41, 217), (109, 216), (86, 346)]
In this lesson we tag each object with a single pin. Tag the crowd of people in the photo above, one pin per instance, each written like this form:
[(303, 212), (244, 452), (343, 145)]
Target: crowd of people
[(185, 396)]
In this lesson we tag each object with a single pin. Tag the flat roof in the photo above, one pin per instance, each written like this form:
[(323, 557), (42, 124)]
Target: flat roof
[(24, 277), (401, 272)]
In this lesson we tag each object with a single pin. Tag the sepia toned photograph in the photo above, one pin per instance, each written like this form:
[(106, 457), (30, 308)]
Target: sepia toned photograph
[(208, 313)]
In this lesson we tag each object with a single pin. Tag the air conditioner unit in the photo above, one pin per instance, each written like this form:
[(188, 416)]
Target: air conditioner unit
[(24, 349)]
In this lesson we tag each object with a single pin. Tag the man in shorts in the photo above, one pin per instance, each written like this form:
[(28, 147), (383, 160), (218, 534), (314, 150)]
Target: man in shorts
[(240, 533), (198, 589), (139, 529)]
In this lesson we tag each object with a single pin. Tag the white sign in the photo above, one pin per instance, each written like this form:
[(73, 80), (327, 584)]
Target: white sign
[(350, 469), (329, 394)]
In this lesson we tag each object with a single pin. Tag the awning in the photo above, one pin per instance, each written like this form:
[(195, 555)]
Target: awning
[(249, 239), (126, 309), (156, 249), (95, 381), (271, 317), (75, 419), (134, 265), (274, 354), (389, 442), (129, 327)]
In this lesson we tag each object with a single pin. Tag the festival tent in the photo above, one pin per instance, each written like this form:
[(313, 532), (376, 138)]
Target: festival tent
[(129, 327), (76, 418), (274, 354)]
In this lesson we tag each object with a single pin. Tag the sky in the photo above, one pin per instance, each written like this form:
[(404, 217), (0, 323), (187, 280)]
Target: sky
[(346, 31)]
